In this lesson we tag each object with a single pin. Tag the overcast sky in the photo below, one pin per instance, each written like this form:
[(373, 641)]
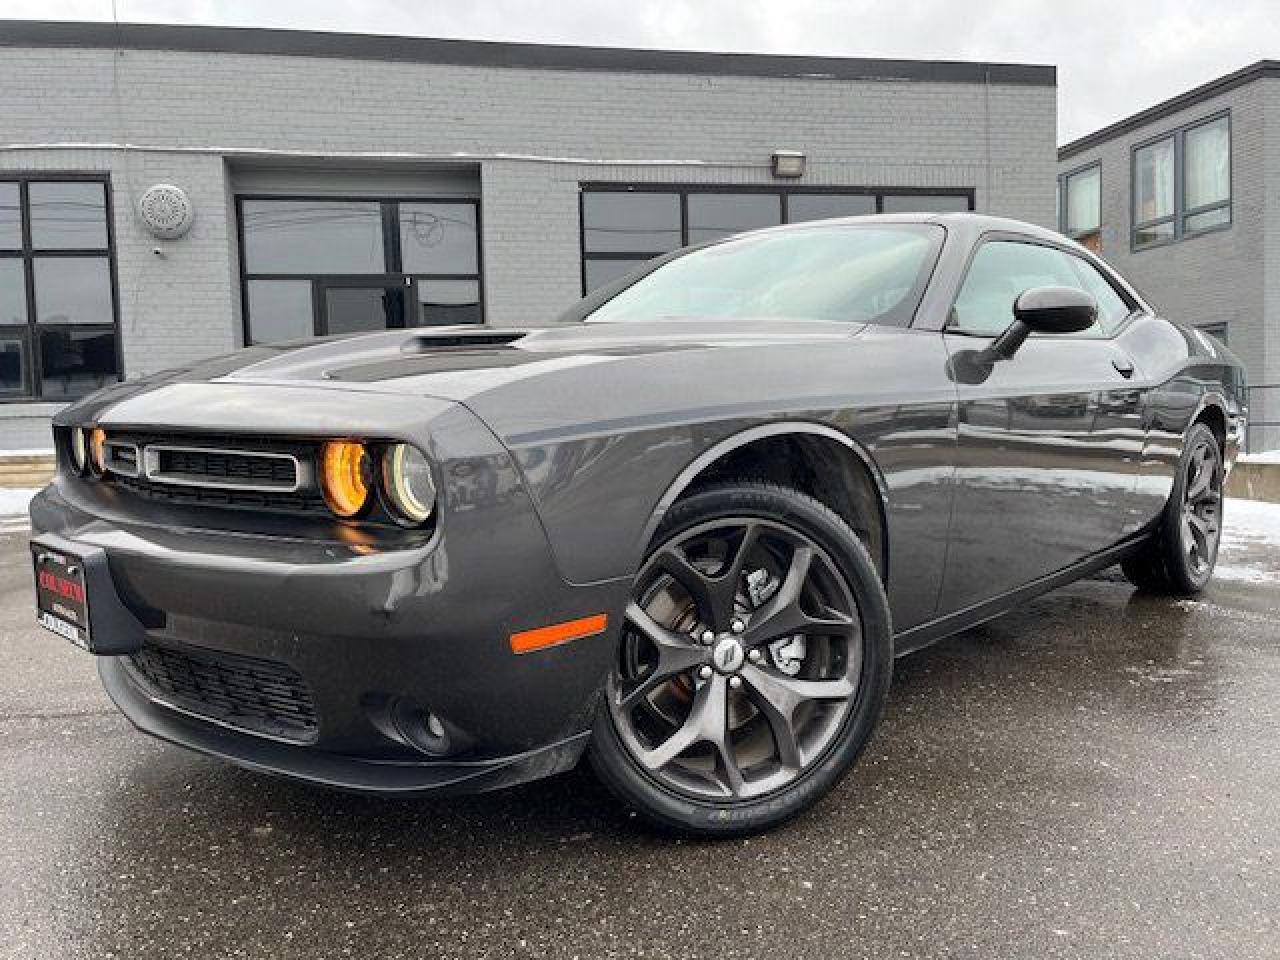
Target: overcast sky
[(1114, 57)]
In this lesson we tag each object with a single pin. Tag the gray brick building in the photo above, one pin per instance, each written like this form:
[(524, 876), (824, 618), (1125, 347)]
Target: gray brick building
[(344, 182), (1184, 199)]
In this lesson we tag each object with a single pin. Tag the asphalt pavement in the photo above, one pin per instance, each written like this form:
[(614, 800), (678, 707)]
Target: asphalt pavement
[(1096, 775)]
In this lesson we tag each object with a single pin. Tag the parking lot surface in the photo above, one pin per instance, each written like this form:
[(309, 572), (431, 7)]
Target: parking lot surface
[(1096, 775)]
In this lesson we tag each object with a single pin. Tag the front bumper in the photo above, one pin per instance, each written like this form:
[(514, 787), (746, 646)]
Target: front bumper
[(344, 772), (426, 625)]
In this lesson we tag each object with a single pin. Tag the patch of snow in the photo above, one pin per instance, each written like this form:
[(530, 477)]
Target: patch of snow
[(1250, 523), (1244, 574), (13, 508)]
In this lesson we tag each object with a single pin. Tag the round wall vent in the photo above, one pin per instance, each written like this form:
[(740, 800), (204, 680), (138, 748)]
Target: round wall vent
[(167, 211)]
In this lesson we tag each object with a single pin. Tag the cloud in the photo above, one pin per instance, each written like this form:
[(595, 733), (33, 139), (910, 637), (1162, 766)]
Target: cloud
[(1115, 57)]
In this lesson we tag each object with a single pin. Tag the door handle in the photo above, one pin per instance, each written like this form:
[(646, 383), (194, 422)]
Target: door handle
[(1123, 367)]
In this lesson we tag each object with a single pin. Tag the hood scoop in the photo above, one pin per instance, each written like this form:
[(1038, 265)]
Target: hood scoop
[(421, 343), (425, 353), (434, 361)]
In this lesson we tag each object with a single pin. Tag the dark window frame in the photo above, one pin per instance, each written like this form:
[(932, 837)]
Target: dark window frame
[(683, 190), (1063, 195), (1181, 212), (393, 260), (33, 375), (1220, 329), (1002, 236)]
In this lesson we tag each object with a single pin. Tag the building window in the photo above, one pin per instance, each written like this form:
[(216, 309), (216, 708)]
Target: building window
[(1182, 183), (313, 266), (59, 337), (1218, 330), (624, 226), (1080, 206)]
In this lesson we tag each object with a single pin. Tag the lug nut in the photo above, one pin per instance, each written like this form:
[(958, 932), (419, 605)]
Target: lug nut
[(735, 683), (704, 672), (737, 626), (707, 637), (755, 656)]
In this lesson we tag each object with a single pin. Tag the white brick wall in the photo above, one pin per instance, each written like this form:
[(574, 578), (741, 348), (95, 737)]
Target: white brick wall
[(186, 113)]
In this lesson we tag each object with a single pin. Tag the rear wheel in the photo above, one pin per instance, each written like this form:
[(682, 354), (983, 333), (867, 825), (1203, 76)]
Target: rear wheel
[(753, 665), (1180, 556)]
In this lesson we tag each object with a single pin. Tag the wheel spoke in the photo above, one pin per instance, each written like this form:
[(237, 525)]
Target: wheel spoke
[(785, 694), (718, 736), (1199, 526), (673, 562), (1197, 538), (707, 721), (713, 595), (781, 615), (676, 654), (783, 728), (1199, 484)]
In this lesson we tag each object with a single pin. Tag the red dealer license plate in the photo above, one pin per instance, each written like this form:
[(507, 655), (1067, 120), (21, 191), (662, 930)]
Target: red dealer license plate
[(61, 602)]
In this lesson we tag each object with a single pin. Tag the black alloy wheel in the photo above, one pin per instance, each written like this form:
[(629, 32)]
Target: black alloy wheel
[(1180, 555), (752, 666)]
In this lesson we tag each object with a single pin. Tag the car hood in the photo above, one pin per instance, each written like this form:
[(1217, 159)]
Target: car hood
[(516, 380), (457, 363)]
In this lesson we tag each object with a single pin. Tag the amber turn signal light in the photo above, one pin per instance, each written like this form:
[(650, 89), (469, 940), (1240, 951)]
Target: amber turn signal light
[(344, 477), (98, 450), (529, 640)]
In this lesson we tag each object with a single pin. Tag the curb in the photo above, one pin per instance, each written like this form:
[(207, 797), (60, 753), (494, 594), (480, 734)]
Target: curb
[(1255, 481), (25, 470)]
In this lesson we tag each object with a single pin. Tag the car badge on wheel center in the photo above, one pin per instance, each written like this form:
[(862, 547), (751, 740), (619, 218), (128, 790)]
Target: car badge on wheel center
[(728, 655)]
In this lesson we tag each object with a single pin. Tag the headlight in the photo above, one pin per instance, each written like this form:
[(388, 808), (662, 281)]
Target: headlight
[(344, 477), (79, 450), (98, 450), (406, 480)]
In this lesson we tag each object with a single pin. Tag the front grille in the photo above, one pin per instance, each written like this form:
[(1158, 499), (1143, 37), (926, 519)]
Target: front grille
[(249, 473), (303, 502), (258, 696), (224, 467)]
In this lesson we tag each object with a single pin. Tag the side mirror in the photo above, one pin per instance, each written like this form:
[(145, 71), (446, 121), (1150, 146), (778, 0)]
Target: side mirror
[(1045, 310)]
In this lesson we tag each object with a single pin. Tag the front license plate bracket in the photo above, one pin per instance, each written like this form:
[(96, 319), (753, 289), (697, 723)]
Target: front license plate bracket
[(78, 598)]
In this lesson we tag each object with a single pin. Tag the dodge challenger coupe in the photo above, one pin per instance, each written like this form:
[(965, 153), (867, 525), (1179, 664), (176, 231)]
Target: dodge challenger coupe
[(685, 531)]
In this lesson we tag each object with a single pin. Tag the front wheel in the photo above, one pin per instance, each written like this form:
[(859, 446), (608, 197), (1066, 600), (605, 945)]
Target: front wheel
[(753, 665), (1181, 553)]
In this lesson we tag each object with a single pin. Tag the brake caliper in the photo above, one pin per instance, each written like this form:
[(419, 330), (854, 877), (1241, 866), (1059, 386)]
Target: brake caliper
[(788, 654)]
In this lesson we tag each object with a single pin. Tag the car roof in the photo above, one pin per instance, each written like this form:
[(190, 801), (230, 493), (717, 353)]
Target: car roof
[(974, 223)]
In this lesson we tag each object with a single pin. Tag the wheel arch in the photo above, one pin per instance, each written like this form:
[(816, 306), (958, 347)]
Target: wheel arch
[(1213, 414), (814, 458)]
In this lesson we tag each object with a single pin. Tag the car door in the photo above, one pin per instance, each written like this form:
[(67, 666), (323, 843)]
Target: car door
[(1050, 440)]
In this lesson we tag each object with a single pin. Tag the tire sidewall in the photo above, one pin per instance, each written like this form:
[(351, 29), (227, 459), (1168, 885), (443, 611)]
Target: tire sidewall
[(1177, 565), (660, 804)]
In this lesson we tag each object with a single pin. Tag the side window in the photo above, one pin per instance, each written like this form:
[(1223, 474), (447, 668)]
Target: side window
[(1112, 308), (1001, 271)]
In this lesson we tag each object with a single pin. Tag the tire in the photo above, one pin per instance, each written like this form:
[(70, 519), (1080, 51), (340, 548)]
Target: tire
[(811, 698), (1179, 557)]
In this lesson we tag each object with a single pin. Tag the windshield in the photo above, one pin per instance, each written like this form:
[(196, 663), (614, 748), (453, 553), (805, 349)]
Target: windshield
[(849, 273)]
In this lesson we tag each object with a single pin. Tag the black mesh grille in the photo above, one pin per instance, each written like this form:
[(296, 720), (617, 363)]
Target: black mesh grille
[(227, 464), (311, 503), (229, 467), (255, 695)]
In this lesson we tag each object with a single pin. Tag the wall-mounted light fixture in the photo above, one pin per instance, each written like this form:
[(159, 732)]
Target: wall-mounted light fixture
[(788, 163)]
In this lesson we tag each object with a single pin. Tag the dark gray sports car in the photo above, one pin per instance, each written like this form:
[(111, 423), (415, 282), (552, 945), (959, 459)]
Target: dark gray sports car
[(686, 530)]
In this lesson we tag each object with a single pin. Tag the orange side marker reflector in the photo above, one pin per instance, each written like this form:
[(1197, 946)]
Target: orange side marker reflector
[(529, 640)]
